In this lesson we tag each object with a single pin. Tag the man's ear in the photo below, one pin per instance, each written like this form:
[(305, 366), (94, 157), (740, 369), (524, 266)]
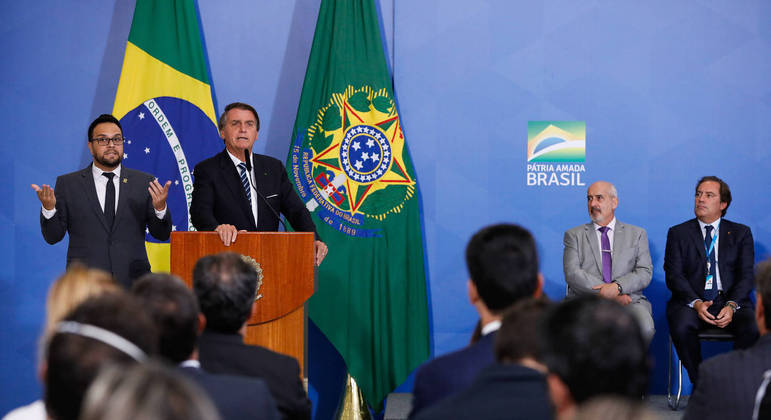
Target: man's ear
[(539, 289), (560, 396), (42, 371), (760, 315), (201, 322), (473, 294)]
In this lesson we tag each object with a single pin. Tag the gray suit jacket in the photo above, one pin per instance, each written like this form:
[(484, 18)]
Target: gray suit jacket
[(582, 262), (119, 249)]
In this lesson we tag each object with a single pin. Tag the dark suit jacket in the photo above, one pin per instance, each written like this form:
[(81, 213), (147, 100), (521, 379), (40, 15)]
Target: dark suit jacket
[(219, 197), (119, 249), (236, 397), (499, 392), (226, 353), (686, 268), (446, 375), (728, 383)]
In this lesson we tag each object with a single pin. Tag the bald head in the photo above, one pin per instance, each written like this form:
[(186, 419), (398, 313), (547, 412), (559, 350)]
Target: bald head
[(601, 201)]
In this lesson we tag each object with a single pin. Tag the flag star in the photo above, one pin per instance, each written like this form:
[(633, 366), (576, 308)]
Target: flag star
[(356, 176), (370, 143), (128, 141), (176, 182), (380, 172), (375, 157), (386, 153), (384, 166), (147, 150), (356, 146), (365, 156), (141, 115), (125, 156), (174, 227), (358, 165)]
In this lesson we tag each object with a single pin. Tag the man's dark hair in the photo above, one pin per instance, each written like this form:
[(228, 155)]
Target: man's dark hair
[(763, 286), (503, 264), (225, 286), (174, 309), (75, 360), (725, 192), (239, 105), (518, 336), (104, 118), (595, 347)]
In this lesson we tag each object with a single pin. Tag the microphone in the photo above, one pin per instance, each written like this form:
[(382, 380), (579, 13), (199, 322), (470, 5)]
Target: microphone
[(248, 161)]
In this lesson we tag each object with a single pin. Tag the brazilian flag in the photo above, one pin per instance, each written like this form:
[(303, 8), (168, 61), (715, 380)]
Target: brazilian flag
[(350, 164), (164, 103)]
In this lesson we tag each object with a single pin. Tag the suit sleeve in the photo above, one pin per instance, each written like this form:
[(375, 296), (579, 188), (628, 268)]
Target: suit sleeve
[(744, 277), (202, 205), (293, 208), (578, 279), (640, 277), (160, 229), (53, 229), (674, 267)]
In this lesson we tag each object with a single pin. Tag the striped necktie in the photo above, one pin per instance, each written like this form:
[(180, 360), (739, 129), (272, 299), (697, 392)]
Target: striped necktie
[(245, 182)]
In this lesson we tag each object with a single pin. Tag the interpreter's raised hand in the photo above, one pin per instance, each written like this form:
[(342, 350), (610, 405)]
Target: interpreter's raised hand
[(46, 196), (159, 194)]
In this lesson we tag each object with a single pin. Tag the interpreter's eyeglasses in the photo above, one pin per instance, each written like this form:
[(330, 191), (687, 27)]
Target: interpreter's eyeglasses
[(104, 141)]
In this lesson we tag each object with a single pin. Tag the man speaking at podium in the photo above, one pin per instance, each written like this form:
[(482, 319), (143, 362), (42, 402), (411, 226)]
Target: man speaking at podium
[(238, 191), (106, 208)]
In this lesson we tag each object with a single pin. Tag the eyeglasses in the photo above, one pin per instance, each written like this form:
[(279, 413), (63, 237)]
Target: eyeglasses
[(104, 141)]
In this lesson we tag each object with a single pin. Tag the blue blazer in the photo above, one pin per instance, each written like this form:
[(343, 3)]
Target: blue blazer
[(685, 262), (499, 392), (219, 197), (236, 397), (449, 374)]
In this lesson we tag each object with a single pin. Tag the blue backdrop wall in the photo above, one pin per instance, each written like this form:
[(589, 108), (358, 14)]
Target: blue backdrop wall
[(669, 91)]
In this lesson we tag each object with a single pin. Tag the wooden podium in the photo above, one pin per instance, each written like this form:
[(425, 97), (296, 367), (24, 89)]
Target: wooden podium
[(278, 318)]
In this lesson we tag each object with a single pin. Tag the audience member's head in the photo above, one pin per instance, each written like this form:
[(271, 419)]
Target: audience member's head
[(613, 408), (109, 328), (147, 391), (77, 284), (763, 293), (174, 309), (225, 286), (592, 347), (503, 265), (517, 340)]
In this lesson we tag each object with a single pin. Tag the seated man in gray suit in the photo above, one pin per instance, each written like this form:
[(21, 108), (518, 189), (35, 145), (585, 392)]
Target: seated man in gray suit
[(609, 258)]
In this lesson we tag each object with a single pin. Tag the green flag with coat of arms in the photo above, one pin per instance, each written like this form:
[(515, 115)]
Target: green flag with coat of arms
[(350, 165)]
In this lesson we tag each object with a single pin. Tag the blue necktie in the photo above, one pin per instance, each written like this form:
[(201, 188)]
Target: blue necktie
[(245, 183), (711, 293)]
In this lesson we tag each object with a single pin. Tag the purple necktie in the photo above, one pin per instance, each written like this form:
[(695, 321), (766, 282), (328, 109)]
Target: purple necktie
[(607, 264)]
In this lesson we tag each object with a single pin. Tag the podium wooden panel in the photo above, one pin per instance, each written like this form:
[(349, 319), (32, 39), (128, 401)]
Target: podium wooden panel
[(278, 318)]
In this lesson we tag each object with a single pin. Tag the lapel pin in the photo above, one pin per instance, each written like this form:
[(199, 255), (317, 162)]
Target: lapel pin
[(125, 180)]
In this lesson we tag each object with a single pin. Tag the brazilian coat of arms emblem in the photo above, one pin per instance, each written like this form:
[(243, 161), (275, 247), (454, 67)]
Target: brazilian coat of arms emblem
[(349, 164)]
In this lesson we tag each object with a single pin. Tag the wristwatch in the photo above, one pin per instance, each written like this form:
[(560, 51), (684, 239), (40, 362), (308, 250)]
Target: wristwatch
[(620, 289)]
